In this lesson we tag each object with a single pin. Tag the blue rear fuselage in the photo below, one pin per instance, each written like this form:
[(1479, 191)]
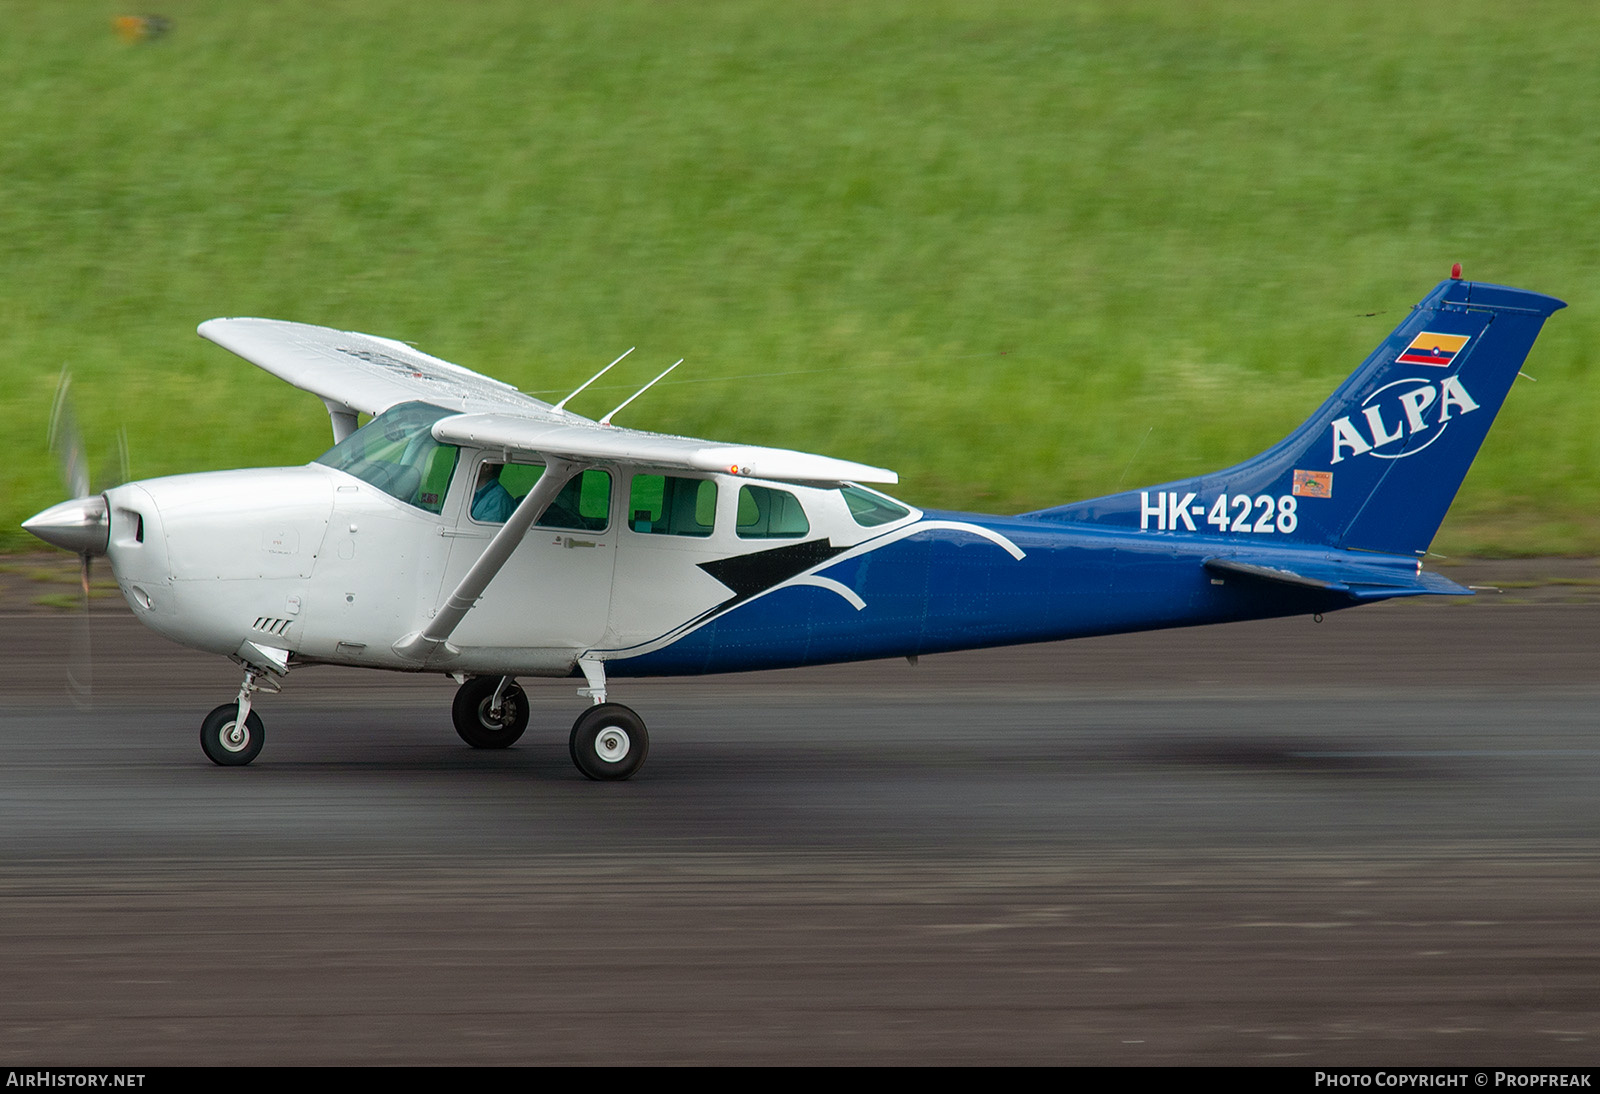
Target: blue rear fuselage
[(1339, 512), (943, 588)]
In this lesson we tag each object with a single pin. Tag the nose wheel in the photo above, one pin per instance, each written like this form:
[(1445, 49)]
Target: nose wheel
[(609, 742), (228, 743), (490, 712)]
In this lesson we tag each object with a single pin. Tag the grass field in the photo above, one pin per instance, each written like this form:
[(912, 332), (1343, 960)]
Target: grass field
[(1022, 252)]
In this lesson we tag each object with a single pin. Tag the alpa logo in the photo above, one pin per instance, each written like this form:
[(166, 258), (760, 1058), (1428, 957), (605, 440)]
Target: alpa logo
[(1398, 410)]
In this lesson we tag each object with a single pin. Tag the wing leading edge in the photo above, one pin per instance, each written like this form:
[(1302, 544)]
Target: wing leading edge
[(580, 439)]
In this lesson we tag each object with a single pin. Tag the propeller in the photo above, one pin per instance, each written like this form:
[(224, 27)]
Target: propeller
[(80, 524)]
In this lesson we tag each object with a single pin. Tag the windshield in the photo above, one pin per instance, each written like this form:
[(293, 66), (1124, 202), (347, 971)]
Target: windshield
[(396, 453)]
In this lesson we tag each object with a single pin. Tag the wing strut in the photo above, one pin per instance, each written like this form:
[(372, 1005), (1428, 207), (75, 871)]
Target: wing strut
[(422, 645)]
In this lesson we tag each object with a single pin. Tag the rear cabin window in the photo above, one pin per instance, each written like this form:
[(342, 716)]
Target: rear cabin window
[(870, 510), (765, 513), (665, 505), (583, 504)]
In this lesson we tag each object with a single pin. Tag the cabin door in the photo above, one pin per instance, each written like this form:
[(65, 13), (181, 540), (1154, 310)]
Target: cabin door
[(555, 590)]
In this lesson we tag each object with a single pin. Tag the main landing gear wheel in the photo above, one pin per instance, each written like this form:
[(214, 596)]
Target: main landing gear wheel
[(609, 742), (225, 742), (475, 717)]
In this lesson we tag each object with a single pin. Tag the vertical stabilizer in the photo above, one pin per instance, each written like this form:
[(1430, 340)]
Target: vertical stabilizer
[(1378, 464)]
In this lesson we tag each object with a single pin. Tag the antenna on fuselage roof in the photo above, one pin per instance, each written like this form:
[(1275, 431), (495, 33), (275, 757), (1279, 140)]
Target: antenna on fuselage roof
[(592, 379), (607, 419)]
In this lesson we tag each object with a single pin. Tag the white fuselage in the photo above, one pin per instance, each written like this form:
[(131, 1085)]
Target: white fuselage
[(319, 565)]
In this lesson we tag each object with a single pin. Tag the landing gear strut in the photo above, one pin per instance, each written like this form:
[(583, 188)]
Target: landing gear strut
[(490, 711)]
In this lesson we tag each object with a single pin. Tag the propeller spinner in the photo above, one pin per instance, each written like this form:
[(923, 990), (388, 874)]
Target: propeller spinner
[(79, 525), (82, 524)]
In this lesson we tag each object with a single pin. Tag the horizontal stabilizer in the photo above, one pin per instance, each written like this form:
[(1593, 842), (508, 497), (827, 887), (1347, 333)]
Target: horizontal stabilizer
[(1357, 580)]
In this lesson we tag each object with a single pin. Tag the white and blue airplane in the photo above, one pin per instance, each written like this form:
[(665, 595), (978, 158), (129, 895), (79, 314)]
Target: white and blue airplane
[(470, 530)]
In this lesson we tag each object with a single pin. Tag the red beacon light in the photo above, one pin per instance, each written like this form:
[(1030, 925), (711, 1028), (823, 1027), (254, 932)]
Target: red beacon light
[(1455, 272)]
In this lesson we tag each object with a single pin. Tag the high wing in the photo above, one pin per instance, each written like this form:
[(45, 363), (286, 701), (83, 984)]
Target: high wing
[(354, 372), (575, 438), (361, 372)]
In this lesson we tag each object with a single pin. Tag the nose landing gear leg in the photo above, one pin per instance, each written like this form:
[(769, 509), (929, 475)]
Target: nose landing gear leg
[(232, 734)]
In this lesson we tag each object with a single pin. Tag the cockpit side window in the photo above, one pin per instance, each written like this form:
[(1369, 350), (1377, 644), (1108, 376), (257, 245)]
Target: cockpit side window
[(583, 504), (396, 453), (436, 477)]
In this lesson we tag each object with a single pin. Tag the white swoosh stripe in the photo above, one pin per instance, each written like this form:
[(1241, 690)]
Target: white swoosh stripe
[(832, 586)]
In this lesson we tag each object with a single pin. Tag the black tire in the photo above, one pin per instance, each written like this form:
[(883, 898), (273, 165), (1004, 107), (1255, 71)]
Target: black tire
[(609, 742), (222, 745), (470, 712)]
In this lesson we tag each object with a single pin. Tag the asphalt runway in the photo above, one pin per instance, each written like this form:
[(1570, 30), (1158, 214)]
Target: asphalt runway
[(1374, 840)]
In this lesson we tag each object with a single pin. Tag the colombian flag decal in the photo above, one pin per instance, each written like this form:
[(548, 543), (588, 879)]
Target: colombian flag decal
[(1313, 484), (1438, 350)]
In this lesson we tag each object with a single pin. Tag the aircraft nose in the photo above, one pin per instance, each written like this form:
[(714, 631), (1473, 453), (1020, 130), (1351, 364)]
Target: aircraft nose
[(79, 525)]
